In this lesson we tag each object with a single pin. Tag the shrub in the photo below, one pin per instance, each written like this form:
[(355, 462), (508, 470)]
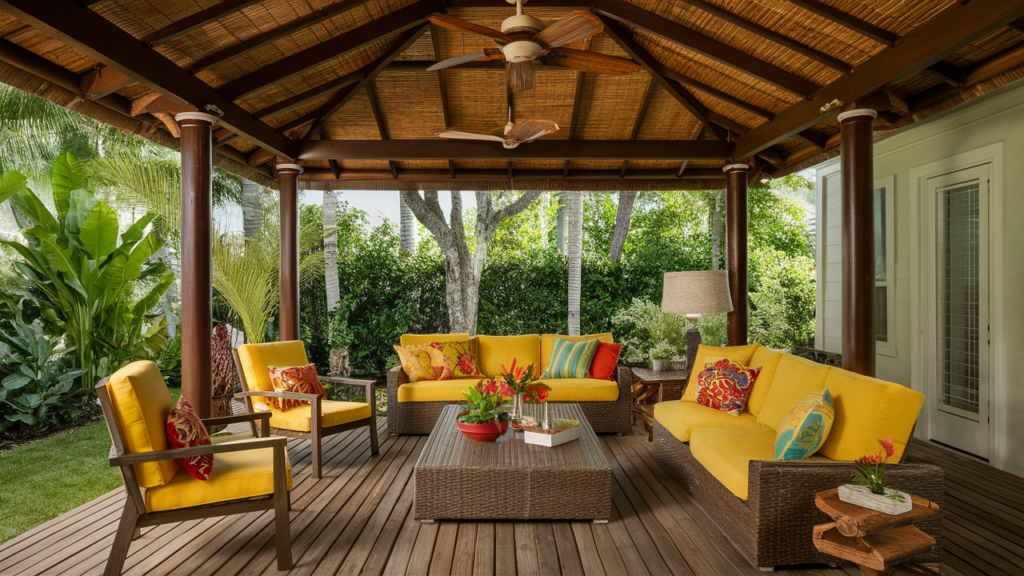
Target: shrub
[(783, 307)]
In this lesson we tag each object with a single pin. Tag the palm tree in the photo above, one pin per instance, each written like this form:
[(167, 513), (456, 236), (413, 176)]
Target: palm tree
[(574, 225), (544, 203), (407, 226), (331, 249), (252, 207)]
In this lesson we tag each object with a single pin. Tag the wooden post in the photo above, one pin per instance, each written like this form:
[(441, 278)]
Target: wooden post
[(858, 181), (736, 250), (288, 177), (196, 260)]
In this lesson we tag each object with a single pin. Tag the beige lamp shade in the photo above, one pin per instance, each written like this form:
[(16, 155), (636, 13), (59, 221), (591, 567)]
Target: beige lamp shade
[(697, 292)]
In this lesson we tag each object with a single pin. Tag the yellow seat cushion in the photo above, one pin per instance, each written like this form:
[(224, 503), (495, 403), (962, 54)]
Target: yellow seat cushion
[(726, 453), (420, 339), (496, 351), (435, 390), (582, 390), (235, 475), (682, 418), (256, 360), (141, 402), (548, 340), (868, 409), (794, 377), (332, 413), (738, 354), (768, 362)]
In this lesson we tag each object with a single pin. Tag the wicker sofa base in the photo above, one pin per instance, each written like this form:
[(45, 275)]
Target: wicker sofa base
[(774, 526)]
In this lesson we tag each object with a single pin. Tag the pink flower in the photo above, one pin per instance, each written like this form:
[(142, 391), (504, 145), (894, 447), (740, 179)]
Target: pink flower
[(870, 459), (890, 450), (490, 387)]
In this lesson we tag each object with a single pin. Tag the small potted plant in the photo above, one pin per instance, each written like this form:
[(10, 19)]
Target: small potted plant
[(661, 355), (483, 417), (868, 489)]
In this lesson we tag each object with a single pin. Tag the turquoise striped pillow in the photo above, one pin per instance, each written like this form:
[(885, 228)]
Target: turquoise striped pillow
[(570, 359)]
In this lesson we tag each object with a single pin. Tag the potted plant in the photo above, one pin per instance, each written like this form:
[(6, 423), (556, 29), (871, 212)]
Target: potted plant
[(868, 489), (661, 354), (484, 416)]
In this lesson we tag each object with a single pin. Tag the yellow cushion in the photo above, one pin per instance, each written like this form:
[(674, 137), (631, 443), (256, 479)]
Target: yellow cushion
[(141, 402), (868, 409), (333, 413), (435, 390), (682, 418), (726, 453), (738, 354), (793, 378), (419, 339), (256, 360), (547, 340), (235, 475), (768, 362), (582, 390), (496, 351), (422, 362)]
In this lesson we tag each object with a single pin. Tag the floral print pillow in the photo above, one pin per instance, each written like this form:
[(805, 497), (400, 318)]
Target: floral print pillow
[(301, 379)]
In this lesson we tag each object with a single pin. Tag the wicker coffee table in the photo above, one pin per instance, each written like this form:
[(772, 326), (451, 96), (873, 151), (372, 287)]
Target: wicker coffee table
[(459, 479)]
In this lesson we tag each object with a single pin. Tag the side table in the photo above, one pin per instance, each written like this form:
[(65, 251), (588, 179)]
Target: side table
[(651, 382), (875, 541)]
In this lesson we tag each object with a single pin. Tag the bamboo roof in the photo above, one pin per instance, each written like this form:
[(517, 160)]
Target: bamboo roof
[(744, 74)]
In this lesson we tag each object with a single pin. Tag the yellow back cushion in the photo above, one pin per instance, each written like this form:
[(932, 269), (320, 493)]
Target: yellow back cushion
[(738, 354), (419, 339), (141, 403), (496, 351), (256, 359), (548, 340), (794, 377), (768, 362), (868, 409)]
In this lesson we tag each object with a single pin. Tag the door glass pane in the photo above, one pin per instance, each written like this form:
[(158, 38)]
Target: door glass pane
[(881, 313), (880, 232), (957, 295)]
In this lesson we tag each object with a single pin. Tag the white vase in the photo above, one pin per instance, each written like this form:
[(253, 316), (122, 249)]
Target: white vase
[(660, 364), (862, 496)]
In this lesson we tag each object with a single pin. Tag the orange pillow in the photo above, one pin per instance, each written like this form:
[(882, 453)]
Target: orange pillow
[(301, 379), (186, 430), (606, 358)]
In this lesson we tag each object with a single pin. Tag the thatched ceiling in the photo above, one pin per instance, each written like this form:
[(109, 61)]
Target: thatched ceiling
[(719, 80)]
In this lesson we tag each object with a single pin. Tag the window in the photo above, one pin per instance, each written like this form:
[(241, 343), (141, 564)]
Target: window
[(885, 278)]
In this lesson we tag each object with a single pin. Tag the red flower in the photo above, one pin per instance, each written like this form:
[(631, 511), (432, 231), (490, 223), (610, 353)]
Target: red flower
[(871, 459), (506, 392), (490, 387), (890, 450)]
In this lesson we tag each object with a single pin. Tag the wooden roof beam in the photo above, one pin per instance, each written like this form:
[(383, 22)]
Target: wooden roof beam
[(102, 81), (322, 174), (708, 47), (648, 96), (197, 20), (536, 150), (577, 99), (97, 37), (932, 41), (386, 26), (379, 119), (442, 89), (847, 21)]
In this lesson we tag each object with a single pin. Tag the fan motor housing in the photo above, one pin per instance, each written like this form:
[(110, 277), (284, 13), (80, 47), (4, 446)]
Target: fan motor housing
[(522, 51), (522, 23)]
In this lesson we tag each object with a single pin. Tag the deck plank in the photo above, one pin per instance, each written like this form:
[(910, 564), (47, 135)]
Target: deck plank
[(483, 552), (465, 548)]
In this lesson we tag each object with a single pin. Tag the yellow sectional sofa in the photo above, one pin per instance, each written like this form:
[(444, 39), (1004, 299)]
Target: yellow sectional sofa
[(766, 507), (413, 407)]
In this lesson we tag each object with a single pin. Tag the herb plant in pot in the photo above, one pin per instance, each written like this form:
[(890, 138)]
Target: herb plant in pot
[(661, 355), (483, 417)]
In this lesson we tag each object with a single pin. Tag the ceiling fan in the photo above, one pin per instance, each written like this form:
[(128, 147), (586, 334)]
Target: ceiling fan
[(511, 135), (523, 39)]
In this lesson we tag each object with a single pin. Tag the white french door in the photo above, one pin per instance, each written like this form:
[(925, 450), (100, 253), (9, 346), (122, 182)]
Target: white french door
[(958, 336)]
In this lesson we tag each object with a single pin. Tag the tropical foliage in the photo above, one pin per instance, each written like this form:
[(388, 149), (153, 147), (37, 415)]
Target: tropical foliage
[(646, 332)]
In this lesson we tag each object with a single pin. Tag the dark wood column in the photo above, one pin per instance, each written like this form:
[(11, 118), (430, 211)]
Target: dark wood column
[(858, 181), (196, 259), (288, 178), (736, 250)]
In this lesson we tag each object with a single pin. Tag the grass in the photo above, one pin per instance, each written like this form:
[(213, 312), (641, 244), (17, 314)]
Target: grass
[(49, 477)]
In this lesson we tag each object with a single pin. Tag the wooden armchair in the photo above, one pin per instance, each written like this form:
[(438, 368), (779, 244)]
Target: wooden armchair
[(313, 422), (247, 475)]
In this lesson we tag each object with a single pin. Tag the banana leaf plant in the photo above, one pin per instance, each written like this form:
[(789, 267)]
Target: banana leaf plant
[(80, 267)]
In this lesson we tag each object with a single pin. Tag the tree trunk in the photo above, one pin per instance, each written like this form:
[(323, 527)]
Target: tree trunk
[(252, 207), (622, 217), (331, 250), (407, 227), (560, 225), (716, 230), (574, 224), (544, 204)]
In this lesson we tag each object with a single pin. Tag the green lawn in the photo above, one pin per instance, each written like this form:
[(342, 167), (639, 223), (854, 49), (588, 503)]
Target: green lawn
[(47, 478)]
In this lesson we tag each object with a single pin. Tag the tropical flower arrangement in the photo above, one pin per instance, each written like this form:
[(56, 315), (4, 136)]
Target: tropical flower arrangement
[(520, 380), (871, 471)]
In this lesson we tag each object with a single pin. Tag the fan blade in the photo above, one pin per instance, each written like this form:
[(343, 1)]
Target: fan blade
[(469, 136), (527, 130), (578, 25), (446, 21), (590, 61), (520, 76), (486, 54)]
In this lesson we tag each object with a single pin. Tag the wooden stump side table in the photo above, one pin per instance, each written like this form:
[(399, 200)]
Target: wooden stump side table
[(651, 382), (875, 541)]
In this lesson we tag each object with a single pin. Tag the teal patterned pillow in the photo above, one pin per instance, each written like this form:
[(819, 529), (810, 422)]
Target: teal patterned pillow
[(570, 359), (806, 426)]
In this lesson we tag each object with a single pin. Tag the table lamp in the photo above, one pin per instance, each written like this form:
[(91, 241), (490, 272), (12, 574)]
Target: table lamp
[(692, 294)]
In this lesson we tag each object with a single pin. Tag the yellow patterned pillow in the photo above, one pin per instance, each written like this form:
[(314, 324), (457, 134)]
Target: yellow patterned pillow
[(460, 358), (806, 426), (423, 362)]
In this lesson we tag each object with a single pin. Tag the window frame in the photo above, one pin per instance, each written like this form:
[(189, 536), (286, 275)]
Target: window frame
[(888, 183)]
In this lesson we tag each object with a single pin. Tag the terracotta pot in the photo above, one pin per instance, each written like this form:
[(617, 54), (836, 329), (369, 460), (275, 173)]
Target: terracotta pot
[(483, 432)]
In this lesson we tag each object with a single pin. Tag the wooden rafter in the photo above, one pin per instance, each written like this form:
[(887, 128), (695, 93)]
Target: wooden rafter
[(371, 93), (536, 150), (848, 21), (932, 41), (197, 20), (519, 174), (577, 98), (442, 90), (708, 47), (713, 92), (386, 26), (648, 96), (102, 81)]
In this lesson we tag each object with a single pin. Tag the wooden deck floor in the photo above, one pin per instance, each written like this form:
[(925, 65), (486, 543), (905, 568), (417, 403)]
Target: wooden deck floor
[(358, 520)]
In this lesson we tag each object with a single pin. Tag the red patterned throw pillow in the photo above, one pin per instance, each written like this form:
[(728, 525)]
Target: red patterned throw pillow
[(186, 430), (301, 379), (725, 385)]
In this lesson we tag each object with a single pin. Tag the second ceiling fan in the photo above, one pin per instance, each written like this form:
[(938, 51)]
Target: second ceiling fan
[(523, 39)]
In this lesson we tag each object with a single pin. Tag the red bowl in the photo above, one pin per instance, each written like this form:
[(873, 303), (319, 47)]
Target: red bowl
[(482, 432)]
